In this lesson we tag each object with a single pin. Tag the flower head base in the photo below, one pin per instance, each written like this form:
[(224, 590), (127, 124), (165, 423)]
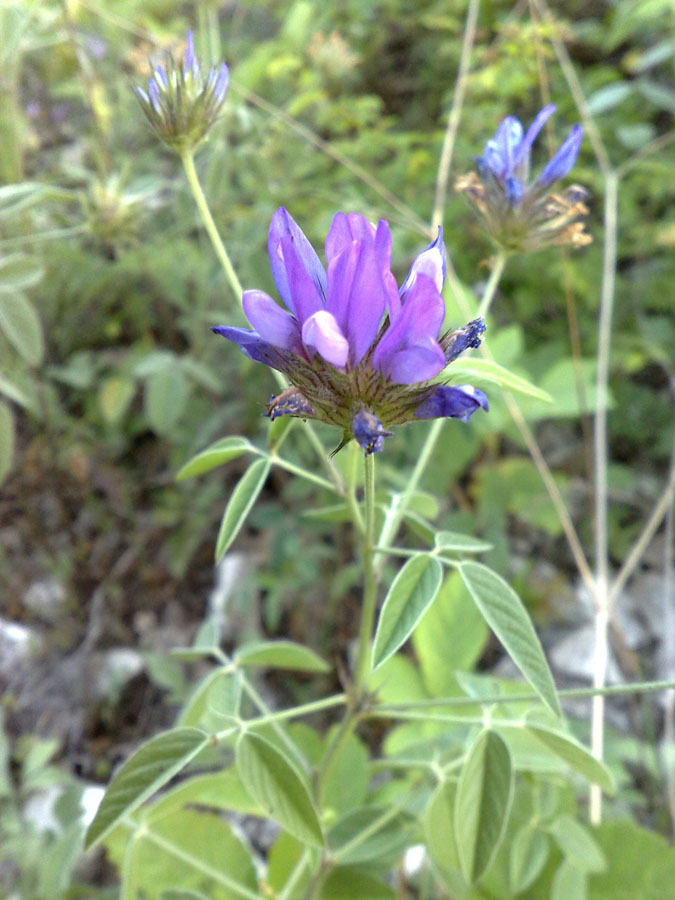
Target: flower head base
[(359, 352), (518, 213), (180, 103)]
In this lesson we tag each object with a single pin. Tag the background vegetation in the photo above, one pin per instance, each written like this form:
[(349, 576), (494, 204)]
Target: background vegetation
[(111, 380)]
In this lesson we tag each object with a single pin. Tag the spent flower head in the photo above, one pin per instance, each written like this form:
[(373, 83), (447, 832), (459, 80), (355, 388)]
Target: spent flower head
[(518, 212), (359, 353), (181, 103)]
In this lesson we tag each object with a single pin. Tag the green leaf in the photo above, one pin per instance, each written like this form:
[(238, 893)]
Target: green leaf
[(344, 783), (216, 455), (451, 637), (114, 396), (6, 440), (483, 803), (569, 883), (281, 655), (355, 838), (183, 849), (240, 503), (346, 883), (577, 757), (504, 612), (18, 272), (529, 851), (22, 328), (490, 371), (577, 845), (440, 836), (412, 592), (462, 543), (273, 782), (17, 394), (641, 864), (150, 767), (218, 790), (166, 393), (180, 894), (16, 197)]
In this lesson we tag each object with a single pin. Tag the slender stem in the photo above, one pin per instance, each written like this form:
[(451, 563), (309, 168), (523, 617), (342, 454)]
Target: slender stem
[(269, 716), (601, 452), (455, 113), (362, 666), (397, 508), (354, 508), (491, 286), (618, 690), (188, 161)]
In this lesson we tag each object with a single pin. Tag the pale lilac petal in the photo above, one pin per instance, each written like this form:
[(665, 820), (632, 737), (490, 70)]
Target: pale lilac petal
[(417, 363), (459, 402), (420, 318), (357, 296), (392, 297), (532, 132), (271, 322), (430, 262), (296, 268), (322, 333)]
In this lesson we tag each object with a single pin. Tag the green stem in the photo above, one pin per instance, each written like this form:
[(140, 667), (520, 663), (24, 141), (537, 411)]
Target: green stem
[(491, 286), (362, 667), (188, 161)]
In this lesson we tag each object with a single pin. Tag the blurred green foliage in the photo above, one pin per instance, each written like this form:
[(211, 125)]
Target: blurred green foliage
[(108, 283)]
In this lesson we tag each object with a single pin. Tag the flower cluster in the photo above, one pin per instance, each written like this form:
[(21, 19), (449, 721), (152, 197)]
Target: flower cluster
[(518, 213), (180, 103), (359, 352)]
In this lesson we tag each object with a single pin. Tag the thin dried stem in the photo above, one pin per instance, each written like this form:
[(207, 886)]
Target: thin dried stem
[(455, 114)]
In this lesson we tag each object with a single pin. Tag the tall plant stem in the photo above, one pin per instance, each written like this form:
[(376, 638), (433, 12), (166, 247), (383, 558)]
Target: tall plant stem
[(188, 160), (362, 665), (397, 508), (602, 587)]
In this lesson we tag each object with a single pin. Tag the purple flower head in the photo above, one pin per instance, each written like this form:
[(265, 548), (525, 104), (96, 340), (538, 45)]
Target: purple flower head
[(181, 104), (517, 211), (359, 353)]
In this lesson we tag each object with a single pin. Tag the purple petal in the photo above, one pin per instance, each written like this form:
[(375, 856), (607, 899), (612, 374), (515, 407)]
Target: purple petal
[(500, 152), (349, 227), (322, 333), (513, 190), (271, 322), (530, 135), (564, 159), (253, 346), (458, 341), (418, 323), (140, 93), (431, 262), (221, 84), (298, 274), (190, 61), (153, 91), (459, 402), (368, 431), (357, 296), (418, 363), (160, 76)]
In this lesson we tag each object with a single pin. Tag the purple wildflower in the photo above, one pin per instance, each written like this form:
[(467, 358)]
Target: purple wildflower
[(180, 104), (519, 213), (359, 352)]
